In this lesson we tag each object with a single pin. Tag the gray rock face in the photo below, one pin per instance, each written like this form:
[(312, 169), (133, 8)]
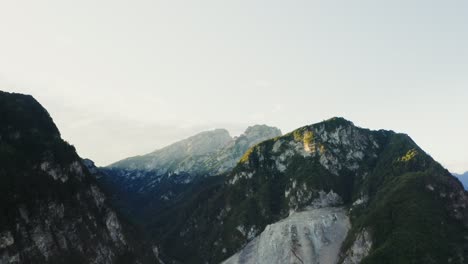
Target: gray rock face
[(344, 148), (228, 157), (207, 153), (6, 239), (180, 155), (314, 236), (50, 229), (360, 248)]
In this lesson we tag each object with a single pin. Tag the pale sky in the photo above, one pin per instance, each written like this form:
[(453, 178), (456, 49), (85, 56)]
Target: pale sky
[(122, 78)]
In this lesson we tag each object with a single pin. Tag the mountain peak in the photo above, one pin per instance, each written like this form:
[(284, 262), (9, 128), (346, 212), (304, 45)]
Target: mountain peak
[(204, 142), (26, 116), (201, 143), (262, 131), (336, 121), (201, 153)]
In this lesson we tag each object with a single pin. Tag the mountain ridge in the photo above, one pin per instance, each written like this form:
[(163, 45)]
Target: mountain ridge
[(197, 154), (221, 135), (52, 210)]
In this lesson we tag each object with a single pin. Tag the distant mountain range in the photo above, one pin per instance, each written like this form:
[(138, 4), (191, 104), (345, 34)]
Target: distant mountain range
[(463, 178), (207, 153)]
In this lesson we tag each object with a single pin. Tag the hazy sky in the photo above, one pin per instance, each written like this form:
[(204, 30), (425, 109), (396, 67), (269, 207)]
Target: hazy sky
[(122, 78)]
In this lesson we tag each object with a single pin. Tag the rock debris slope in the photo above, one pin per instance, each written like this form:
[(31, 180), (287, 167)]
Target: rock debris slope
[(312, 236)]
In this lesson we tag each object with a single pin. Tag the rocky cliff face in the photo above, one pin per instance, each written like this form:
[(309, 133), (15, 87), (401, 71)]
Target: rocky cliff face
[(52, 210), (402, 205)]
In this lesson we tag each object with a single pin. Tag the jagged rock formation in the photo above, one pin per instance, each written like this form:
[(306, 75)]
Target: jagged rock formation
[(227, 158), (403, 206), (52, 210)]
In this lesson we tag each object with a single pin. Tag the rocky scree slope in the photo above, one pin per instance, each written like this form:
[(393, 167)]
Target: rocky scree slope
[(51, 209), (310, 236), (403, 206)]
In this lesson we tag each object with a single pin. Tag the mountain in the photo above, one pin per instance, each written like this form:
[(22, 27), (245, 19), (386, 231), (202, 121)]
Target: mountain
[(325, 193), (210, 152), (292, 198), (227, 158), (180, 156), (144, 186), (52, 209), (463, 178)]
